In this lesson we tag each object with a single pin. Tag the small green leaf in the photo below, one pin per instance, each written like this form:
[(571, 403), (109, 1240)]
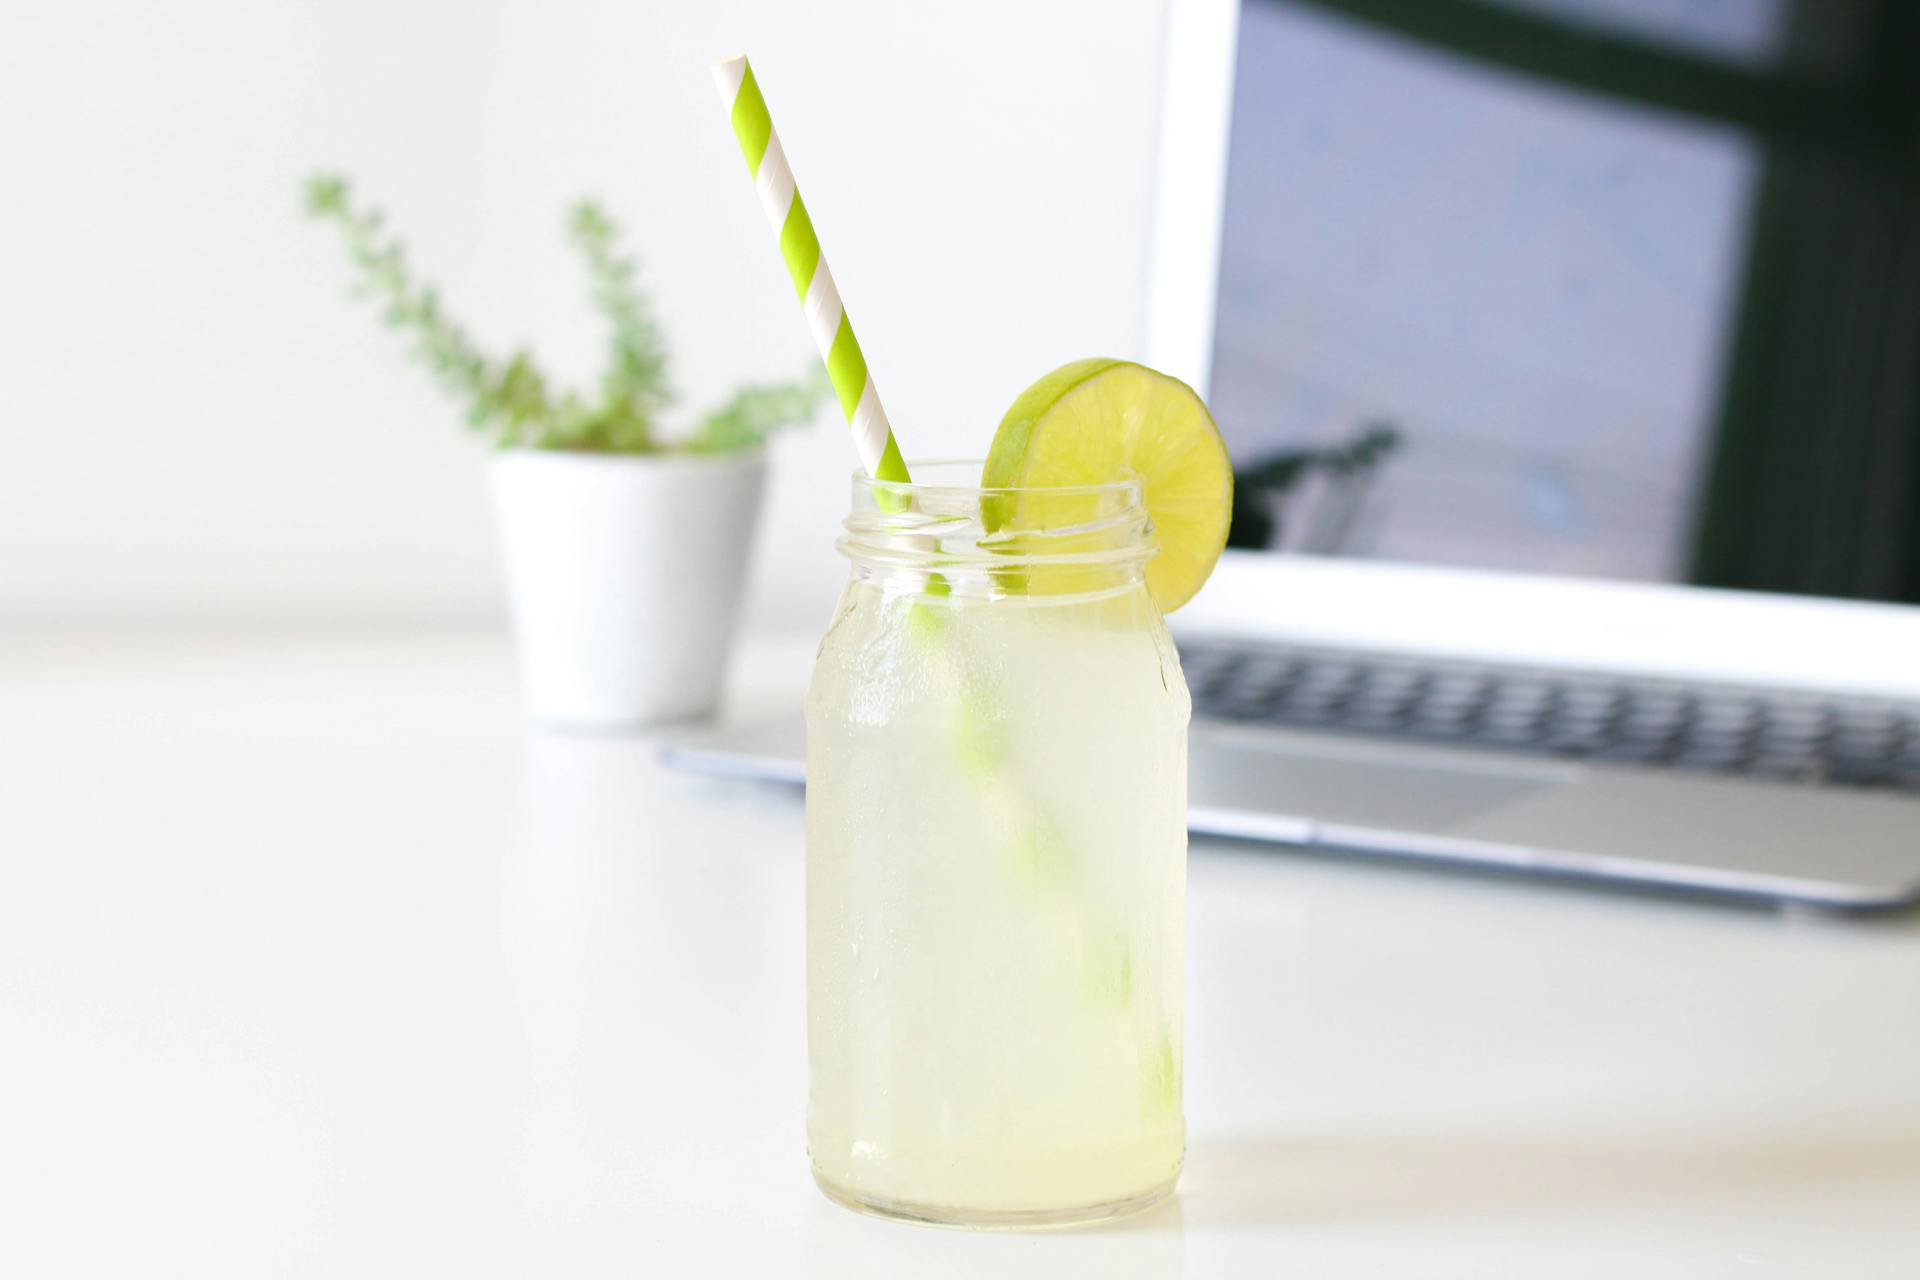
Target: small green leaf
[(754, 413)]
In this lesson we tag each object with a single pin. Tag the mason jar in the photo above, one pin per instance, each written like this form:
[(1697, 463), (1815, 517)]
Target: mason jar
[(996, 859)]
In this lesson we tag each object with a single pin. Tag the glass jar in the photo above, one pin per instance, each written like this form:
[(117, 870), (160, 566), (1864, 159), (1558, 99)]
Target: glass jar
[(996, 859)]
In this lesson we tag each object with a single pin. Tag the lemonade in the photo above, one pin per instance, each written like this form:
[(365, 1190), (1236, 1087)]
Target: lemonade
[(996, 782), (996, 861)]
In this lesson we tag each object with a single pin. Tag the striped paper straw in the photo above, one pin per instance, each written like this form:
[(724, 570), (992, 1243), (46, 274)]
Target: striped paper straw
[(787, 214)]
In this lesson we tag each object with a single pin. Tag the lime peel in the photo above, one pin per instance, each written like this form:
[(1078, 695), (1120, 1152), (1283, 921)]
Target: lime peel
[(1101, 420)]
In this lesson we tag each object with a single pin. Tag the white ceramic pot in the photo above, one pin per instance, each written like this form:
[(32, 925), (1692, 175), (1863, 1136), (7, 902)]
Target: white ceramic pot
[(623, 576)]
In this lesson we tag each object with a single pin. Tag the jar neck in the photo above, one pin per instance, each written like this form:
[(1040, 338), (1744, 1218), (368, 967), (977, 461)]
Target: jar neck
[(956, 539)]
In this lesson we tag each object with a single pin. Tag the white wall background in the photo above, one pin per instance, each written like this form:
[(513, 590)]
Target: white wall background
[(199, 426)]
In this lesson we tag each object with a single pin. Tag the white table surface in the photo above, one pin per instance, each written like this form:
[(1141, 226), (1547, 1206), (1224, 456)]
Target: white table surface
[(315, 961)]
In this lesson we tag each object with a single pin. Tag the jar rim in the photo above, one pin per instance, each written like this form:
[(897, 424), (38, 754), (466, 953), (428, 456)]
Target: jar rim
[(983, 541), (942, 486)]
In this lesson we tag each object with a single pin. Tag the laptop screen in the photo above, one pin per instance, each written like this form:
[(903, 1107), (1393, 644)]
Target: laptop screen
[(1534, 307)]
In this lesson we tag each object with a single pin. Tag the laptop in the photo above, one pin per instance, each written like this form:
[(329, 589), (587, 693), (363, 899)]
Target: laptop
[(1543, 559)]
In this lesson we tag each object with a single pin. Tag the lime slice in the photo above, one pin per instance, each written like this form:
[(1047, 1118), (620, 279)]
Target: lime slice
[(1097, 421)]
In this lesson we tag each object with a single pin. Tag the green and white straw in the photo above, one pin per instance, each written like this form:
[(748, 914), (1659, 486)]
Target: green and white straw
[(1040, 857), (812, 281)]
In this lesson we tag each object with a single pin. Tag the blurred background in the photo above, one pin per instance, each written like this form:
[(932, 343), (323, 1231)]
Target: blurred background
[(1623, 288), (203, 429), (1619, 288)]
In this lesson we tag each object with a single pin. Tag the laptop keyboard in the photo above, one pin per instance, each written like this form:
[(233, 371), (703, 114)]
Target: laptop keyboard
[(1798, 737)]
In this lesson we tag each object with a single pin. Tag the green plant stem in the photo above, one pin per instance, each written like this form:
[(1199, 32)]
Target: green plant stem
[(512, 400)]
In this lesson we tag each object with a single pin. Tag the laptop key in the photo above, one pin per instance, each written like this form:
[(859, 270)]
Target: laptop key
[(1427, 725), (1863, 745), (1239, 709), (1791, 737), (1574, 732), (1400, 677), (1857, 773), (1720, 758), (1265, 673), (1508, 735), (1372, 719), (1458, 688), (1730, 715), (1599, 699), (1638, 731), (1664, 718), (1784, 768), (1709, 740), (1866, 718), (1634, 751), (1372, 708), (1798, 720), (1794, 731), (1577, 743)]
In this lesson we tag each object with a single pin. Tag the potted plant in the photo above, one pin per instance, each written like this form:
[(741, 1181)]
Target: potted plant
[(624, 547)]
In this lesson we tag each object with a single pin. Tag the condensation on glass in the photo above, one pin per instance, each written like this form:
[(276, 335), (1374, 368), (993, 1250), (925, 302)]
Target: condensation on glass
[(996, 859)]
